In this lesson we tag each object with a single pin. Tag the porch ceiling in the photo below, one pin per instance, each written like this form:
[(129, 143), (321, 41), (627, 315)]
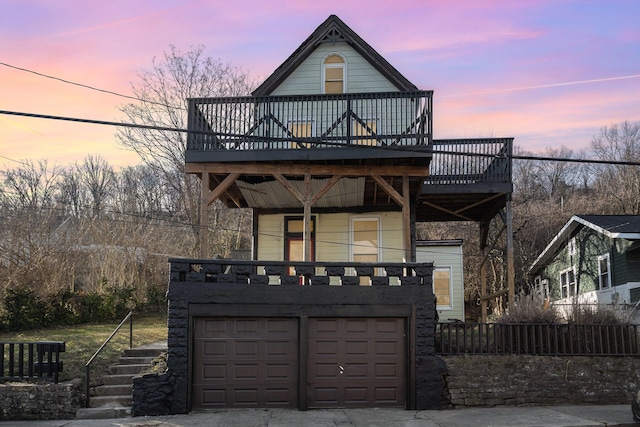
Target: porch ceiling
[(347, 192)]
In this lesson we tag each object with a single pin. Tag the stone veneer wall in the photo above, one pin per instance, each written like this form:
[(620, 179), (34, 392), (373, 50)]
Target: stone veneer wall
[(40, 401), (209, 292), (518, 380)]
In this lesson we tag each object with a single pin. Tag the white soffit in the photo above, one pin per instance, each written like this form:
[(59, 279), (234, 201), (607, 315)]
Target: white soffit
[(347, 192)]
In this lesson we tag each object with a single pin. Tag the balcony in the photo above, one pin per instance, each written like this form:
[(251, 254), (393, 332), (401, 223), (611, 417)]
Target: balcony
[(469, 180), (310, 127)]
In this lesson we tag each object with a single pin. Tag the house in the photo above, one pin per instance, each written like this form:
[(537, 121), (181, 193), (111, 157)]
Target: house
[(335, 155), (448, 280), (594, 259)]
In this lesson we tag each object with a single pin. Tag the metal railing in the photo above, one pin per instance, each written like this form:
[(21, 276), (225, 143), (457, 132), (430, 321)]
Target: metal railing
[(538, 339), (31, 360), (310, 121), (128, 317), (461, 161)]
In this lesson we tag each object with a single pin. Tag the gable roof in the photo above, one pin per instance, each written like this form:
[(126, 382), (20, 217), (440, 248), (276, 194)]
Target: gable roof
[(333, 30), (613, 226)]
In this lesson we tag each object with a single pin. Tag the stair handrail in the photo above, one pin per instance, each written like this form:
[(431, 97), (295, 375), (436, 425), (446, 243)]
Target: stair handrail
[(128, 317)]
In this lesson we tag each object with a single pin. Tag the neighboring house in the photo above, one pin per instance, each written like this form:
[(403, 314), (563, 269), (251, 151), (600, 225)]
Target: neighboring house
[(335, 155), (448, 278), (594, 259)]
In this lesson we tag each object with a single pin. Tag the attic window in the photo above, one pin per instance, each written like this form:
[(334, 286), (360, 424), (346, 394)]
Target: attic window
[(333, 73)]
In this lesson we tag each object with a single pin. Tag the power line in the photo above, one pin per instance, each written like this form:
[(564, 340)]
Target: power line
[(417, 149), (110, 92), (69, 82)]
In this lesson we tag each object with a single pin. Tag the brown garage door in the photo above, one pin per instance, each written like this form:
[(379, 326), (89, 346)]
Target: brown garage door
[(356, 362), (245, 362)]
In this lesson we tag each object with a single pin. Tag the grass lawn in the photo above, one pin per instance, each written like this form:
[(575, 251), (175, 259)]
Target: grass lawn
[(82, 341)]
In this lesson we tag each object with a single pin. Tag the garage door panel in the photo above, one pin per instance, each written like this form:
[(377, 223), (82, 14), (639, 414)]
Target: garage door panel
[(364, 365), (245, 362)]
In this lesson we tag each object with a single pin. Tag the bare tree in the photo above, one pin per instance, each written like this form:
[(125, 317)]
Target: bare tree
[(97, 176), (31, 185), (163, 92), (619, 184)]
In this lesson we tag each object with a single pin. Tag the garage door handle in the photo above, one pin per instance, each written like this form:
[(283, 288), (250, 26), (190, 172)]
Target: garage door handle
[(341, 369)]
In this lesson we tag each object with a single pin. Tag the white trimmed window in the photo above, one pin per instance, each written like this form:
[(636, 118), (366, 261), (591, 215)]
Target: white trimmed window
[(333, 74), (572, 246), (568, 283), (442, 287), (604, 272)]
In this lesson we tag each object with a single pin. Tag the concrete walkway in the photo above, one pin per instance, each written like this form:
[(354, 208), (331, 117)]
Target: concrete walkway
[(553, 416)]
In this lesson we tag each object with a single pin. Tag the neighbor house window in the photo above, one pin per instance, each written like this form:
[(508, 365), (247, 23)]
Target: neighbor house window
[(541, 287), (572, 246), (333, 74), (568, 283), (604, 272), (442, 287)]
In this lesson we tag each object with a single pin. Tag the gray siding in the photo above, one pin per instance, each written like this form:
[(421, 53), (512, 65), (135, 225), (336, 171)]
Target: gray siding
[(360, 75)]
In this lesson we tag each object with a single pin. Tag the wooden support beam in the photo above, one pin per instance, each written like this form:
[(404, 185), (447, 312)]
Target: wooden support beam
[(301, 170), (333, 181), (406, 219), (511, 275), (304, 198), (306, 231), (286, 184), (404, 200), (397, 197), (222, 187), (203, 231), (440, 208), (494, 295)]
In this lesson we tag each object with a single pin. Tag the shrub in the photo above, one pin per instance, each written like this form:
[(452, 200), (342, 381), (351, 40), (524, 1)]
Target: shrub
[(23, 309)]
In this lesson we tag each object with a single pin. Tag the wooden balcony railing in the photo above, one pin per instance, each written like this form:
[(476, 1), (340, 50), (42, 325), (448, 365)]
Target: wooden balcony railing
[(310, 121), (472, 161), (300, 273), (538, 339)]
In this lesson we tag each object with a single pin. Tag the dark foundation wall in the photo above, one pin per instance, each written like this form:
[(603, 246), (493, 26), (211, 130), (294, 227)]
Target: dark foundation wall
[(191, 296)]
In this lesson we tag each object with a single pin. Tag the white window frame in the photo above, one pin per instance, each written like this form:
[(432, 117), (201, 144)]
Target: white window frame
[(599, 284), (433, 287), (572, 289), (571, 247), (332, 65), (541, 286)]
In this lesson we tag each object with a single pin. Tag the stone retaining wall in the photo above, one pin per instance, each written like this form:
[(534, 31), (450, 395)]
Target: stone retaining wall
[(540, 380), (39, 401)]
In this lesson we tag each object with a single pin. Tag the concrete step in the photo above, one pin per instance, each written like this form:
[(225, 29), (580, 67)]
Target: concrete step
[(114, 390), (121, 379), (113, 398), (129, 369), (110, 401), (103, 412), (136, 360)]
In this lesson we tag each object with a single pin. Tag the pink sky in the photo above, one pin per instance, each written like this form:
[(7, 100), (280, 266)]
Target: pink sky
[(548, 73)]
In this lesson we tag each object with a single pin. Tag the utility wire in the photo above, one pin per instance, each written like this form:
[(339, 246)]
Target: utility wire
[(69, 82), (416, 149), (110, 92)]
